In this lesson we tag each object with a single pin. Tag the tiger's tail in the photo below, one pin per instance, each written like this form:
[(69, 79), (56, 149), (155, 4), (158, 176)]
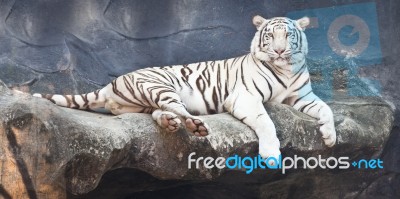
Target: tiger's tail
[(88, 101)]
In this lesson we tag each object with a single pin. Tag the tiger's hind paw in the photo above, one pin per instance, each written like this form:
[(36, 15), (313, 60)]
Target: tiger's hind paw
[(169, 121), (197, 126)]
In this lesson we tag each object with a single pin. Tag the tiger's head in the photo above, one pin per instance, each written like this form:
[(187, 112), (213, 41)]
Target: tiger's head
[(280, 41)]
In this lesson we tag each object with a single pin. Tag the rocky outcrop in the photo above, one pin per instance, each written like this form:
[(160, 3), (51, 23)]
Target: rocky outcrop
[(54, 152)]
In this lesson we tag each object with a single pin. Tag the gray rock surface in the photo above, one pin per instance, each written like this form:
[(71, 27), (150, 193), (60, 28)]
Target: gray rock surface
[(75, 148)]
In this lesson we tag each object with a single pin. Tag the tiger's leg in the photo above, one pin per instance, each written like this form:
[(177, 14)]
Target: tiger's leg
[(164, 99), (250, 110), (313, 106), (166, 120), (118, 109)]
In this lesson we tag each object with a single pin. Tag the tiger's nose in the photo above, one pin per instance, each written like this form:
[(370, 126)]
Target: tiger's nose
[(279, 51)]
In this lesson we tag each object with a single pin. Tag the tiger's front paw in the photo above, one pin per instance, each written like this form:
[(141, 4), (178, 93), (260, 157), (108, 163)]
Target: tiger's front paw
[(327, 127), (270, 149), (197, 126), (328, 134)]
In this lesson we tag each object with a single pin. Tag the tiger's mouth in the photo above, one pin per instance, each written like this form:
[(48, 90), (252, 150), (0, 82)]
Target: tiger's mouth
[(281, 58), (281, 61)]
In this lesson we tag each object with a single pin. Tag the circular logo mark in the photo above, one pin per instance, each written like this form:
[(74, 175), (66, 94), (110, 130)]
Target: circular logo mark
[(359, 26)]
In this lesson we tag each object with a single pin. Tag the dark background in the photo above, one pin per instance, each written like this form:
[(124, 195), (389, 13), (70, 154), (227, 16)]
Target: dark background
[(75, 46)]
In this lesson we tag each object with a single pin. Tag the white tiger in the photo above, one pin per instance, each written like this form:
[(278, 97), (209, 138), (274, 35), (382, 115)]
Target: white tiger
[(274, 70)]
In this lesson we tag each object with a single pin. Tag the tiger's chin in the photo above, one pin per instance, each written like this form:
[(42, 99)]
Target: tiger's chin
[(280, 62)]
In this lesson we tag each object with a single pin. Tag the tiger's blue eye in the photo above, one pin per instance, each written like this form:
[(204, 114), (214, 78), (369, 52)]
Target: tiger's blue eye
[(270, 34), (288, 34)]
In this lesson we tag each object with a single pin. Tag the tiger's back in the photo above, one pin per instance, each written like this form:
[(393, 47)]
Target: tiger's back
[(202, 87)]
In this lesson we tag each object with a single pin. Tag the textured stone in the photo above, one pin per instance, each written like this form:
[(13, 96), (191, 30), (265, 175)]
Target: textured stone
[(65, 148)]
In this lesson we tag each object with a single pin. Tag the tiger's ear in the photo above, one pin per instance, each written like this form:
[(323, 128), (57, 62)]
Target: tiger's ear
[(303, 23), (258, 21)]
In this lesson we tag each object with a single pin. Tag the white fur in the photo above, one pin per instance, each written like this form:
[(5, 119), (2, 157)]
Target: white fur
[(202, 87)]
